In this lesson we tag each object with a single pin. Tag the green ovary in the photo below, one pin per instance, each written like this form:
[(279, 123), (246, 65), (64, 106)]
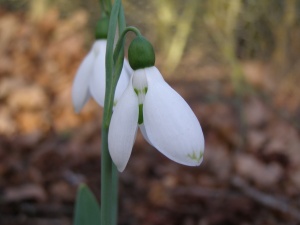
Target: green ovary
[(141, 118), (141, 95)]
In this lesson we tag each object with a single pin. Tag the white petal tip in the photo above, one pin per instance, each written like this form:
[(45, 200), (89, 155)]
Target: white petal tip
[(79, 101), (121, 168), (119, 160), (195, 159)]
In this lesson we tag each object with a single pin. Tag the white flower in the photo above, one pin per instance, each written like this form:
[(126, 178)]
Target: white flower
[(90, 78), (165, 120)]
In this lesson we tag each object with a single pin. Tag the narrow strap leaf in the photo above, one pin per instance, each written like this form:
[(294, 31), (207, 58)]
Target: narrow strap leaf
[(113, 21), (107, 174), (87, 210)]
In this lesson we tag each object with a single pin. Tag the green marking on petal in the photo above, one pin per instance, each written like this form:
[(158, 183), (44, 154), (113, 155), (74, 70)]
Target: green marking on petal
[(136, 91), (195, 157), (145, 90), (141, 118)]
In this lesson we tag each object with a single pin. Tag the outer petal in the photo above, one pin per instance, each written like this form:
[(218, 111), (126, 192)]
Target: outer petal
[(97, 81), (123, 128), (144, 133), (171, 125), (123, 80), (127, 68), (80, 88)]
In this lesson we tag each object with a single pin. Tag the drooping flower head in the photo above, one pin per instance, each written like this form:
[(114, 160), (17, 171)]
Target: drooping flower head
[(90, 77), (165, 119)]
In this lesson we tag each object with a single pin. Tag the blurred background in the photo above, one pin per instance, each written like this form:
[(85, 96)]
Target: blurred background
[(235, 62)]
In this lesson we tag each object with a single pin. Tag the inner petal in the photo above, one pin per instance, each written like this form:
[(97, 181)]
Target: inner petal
[(140, 85)]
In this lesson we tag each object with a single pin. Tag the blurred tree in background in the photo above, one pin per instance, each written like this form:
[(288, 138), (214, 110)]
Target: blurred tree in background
[(241, 29)]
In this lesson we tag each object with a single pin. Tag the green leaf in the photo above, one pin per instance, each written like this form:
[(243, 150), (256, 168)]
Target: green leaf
[(87, 210)]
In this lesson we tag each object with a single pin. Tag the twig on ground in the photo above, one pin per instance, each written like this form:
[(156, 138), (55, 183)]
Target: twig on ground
[(265, 199), (200, 192)]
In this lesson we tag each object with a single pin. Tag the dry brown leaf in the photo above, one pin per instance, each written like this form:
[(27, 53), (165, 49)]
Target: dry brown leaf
[(256, 139), (49, 22), (295, 178), (256, 113), (217, 159), (29, 97), (222, 119), (25, 192), (71, 26), (10, 85), (284, 139), (9, 26), (8, 125), (264, 175), (61, 191), (33, 122), (259, 74), (158, 194)]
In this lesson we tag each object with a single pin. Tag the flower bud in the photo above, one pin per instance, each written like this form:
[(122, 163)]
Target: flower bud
[(141, 53)]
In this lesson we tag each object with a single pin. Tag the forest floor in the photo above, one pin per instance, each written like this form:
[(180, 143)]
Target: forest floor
[(251, 168)]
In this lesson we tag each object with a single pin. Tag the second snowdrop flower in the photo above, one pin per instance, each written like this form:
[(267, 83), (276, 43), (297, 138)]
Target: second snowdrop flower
[(165, 119), (90, 77)]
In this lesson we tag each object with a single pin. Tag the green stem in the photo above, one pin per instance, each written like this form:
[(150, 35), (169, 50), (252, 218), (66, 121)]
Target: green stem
[(114, 199), (120, 42), (108, 174), (115, 178)]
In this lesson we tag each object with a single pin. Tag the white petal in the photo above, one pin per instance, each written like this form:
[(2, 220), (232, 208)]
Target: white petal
[(123, 80), (128, 69), (144, 133), (97, 81), (171, 125), (123, 127), (99, 45), (80, 88)]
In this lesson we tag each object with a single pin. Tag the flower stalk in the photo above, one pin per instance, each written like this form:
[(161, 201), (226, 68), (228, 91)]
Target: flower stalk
[(109, 173)]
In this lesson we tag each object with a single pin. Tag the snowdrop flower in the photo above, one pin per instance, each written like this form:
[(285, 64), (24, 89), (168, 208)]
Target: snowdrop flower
[(164, 118), (90, 77)]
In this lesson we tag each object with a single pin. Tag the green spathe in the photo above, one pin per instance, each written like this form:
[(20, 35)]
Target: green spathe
[(141, 53), (102, 28)]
